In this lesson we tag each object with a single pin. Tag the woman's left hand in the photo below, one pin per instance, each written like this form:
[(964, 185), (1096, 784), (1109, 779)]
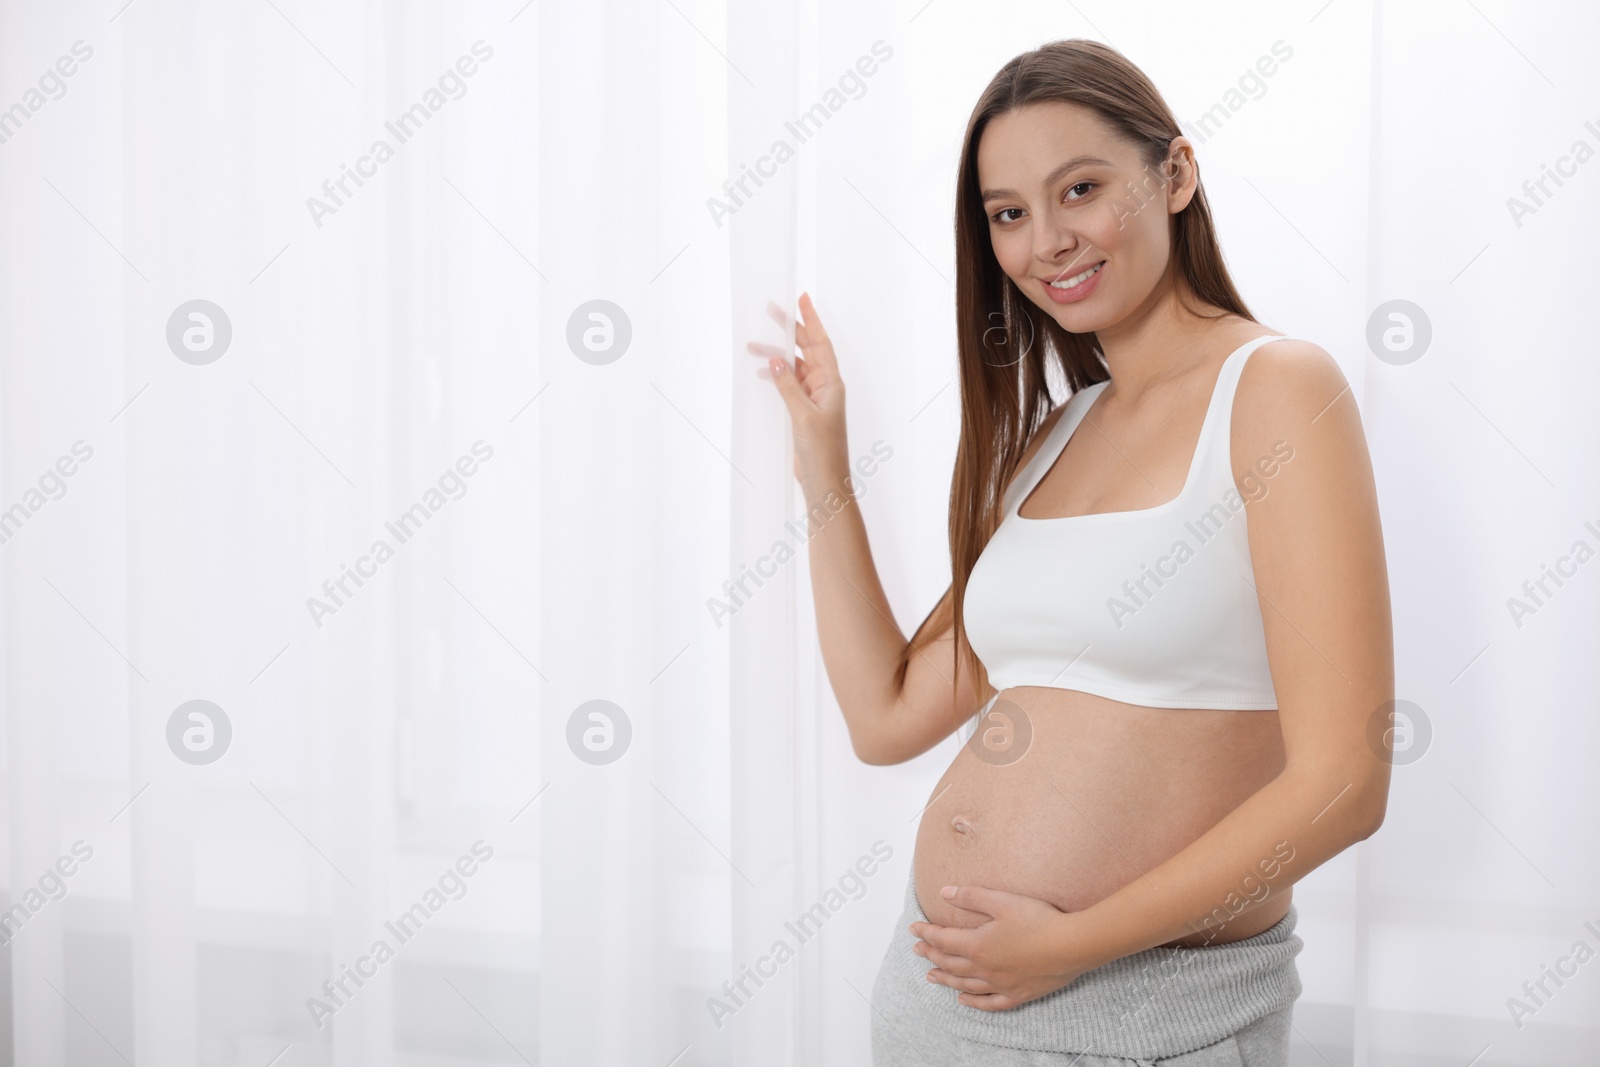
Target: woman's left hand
[(1016, 956)]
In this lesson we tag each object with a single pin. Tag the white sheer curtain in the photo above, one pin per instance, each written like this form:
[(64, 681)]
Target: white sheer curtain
[(563, 744)]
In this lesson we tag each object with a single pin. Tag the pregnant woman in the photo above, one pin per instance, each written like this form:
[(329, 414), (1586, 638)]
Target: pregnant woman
[(1168, 610)]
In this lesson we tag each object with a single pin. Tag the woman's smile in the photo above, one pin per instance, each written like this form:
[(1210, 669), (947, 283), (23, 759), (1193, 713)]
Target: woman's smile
[(1070, 290)]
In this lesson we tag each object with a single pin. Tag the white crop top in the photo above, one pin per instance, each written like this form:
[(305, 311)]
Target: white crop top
[(1155, 607)]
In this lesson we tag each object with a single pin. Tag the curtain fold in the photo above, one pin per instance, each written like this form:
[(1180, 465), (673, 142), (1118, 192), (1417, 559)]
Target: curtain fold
[(761, 1009)]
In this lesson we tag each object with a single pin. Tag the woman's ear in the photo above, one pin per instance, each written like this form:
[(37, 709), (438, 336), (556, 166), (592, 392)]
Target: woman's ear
[(1183, 172)]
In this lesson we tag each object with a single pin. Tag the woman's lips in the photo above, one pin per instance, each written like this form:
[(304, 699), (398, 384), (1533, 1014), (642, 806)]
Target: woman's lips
[(1078, 292)]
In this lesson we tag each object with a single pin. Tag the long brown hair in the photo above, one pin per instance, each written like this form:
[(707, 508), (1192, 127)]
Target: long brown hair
[(1004, 348)]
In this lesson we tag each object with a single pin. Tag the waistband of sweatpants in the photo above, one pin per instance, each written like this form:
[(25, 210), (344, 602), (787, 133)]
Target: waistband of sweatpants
[(1156, 1003)]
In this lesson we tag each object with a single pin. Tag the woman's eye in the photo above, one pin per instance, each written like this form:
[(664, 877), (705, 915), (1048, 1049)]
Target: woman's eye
[(1000, 216)]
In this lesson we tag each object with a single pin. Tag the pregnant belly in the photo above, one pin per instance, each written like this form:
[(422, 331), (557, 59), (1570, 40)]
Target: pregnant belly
[(1068, 797)]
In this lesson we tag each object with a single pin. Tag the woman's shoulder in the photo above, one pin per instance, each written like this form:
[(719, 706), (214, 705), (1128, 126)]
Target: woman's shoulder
[(1291, 388), (1286, 369), (1042, 431)]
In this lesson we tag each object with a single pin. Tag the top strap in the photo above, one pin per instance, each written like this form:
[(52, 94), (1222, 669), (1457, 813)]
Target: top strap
[(1216, 435), (1054, 443)]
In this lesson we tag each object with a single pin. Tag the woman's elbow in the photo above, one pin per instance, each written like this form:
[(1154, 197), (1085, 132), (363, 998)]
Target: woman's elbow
[(874, 754)]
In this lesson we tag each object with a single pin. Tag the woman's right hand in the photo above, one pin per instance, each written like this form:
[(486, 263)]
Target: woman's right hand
[(814, 394)]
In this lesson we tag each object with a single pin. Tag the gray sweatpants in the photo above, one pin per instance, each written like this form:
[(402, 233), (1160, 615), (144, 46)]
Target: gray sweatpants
[(1226, 1005)]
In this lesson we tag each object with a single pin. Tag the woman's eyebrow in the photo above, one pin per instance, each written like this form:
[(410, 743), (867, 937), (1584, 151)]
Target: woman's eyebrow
[(1051, 178)]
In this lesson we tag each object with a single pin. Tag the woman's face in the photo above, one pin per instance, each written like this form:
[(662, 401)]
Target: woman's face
[(1065, 194)]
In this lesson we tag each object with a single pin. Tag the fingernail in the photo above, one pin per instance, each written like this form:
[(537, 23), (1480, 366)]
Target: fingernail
[(779, 367), (948, 892)]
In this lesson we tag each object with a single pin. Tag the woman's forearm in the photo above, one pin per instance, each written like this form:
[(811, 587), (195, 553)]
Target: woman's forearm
[(1280, 834), (860, 641), (861, 645)]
